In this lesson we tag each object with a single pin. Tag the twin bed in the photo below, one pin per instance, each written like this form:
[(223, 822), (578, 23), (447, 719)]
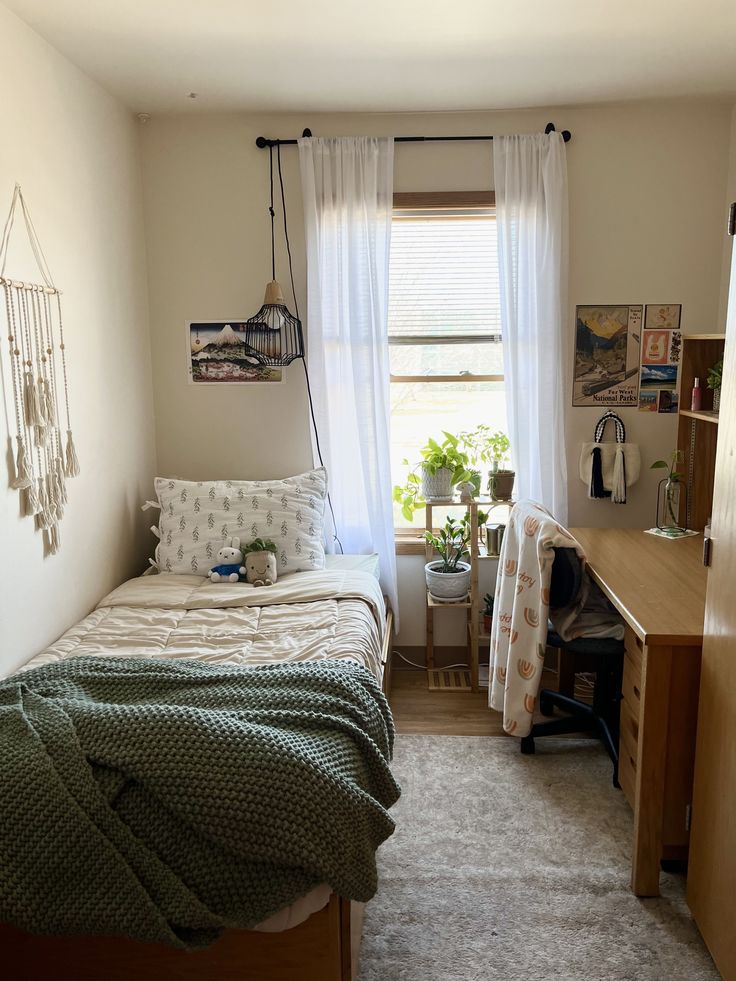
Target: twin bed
[(327, 616)]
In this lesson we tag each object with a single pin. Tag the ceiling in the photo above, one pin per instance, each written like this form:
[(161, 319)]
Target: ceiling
[(392, 55)]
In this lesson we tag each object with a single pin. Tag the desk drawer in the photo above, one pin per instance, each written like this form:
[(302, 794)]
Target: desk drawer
[(629, 735), (634, 649), (631, 687), (627, 773)]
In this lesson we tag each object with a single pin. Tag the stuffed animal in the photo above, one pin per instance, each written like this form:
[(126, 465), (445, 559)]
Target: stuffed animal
[(260, 563), (229, 566)]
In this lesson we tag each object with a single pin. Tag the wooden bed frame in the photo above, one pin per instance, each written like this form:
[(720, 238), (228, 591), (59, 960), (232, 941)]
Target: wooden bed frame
[(325, 947)]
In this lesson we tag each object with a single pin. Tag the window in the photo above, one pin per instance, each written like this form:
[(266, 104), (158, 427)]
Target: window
[(444, 323)]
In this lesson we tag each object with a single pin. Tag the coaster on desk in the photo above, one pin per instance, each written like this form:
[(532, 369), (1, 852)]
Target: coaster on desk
[(671, 532)]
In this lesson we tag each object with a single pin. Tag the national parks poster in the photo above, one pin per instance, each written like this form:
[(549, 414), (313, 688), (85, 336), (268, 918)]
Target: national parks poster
[(607, 355), (218, 354)]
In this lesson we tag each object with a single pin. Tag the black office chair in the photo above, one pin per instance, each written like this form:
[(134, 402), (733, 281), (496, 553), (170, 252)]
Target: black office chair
[(603, 657)]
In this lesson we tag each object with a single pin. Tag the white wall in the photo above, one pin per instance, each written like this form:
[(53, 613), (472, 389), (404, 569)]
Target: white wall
[(74, 150), (647, 185)]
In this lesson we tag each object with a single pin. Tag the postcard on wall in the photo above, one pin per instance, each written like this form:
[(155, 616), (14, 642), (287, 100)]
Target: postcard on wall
[(607, 355), (217, 354), (662, 316)]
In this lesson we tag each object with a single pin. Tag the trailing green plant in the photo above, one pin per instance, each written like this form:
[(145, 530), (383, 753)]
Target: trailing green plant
[(261, 545), (434, 456), (714, 376), (488, 601), (451, 544)]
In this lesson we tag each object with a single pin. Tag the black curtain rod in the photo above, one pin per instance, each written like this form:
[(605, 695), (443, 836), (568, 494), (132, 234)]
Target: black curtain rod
[(262, 142)]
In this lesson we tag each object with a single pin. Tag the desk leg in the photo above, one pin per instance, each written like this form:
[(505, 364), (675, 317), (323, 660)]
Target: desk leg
[(650, 770)]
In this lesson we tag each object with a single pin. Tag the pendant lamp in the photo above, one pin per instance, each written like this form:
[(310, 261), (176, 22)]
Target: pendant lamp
[(274, 335)]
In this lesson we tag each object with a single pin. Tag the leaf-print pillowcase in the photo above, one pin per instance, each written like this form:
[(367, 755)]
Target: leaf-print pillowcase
[(199, 517)]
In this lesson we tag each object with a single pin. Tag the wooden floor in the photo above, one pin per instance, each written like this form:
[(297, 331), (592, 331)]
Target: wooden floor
[(418, 711)]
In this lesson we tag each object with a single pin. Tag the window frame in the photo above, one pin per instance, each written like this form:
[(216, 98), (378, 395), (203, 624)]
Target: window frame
[(409, 541)]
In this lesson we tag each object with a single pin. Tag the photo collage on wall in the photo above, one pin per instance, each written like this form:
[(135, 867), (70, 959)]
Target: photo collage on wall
[(660, 358)]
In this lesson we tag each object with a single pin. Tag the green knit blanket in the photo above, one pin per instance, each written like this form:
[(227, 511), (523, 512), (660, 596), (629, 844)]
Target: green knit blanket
[(167, 800)]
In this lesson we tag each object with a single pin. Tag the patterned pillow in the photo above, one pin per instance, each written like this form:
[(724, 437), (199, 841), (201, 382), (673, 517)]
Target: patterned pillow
[(198, 517)]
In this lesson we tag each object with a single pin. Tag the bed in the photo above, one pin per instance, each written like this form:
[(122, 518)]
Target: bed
[(335, 614)]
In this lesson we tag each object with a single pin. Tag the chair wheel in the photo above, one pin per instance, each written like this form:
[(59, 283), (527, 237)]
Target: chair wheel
[(527, 745), (545, 705)]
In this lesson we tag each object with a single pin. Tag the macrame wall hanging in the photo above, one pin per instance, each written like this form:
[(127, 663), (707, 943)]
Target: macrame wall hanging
[(44, 458)]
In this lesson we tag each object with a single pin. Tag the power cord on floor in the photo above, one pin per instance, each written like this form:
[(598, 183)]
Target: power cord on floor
[(423, 667)]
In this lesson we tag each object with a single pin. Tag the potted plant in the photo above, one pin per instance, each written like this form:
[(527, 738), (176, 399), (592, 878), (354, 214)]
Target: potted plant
[(713, 379), (443, 465), (669, 492), (448, 578), (487, 612), (501, 477)]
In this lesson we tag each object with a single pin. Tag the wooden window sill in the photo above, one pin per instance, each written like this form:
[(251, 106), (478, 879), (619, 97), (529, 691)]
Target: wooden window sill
[(409, 542)]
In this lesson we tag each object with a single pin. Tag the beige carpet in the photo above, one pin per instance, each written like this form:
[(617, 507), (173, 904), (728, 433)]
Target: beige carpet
[(516, 868)]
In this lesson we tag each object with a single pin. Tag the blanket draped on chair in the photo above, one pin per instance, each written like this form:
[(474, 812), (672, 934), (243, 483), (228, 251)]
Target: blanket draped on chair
[(168, 800), (521, 609)]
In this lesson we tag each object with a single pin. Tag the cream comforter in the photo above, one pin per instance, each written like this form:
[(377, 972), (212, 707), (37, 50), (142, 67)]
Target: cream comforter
[(305, 616)]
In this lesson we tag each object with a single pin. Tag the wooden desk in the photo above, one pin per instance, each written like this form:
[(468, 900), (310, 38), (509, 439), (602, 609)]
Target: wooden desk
[(659, 587)]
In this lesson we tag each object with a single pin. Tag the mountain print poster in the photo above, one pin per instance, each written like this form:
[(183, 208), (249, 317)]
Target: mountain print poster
[(607, 355), (217, 354)]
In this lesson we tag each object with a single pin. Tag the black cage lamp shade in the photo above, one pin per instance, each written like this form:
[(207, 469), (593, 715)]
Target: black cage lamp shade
[(273, 335)]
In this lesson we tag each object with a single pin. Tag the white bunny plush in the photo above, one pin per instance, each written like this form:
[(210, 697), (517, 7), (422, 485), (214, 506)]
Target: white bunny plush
[(229, 566)]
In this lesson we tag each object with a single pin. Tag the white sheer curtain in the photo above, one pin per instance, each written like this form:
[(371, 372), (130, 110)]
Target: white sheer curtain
[(347, 185), (530, 173)]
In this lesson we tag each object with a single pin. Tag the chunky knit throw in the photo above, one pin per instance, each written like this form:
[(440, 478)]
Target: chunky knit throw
[(166, 800)]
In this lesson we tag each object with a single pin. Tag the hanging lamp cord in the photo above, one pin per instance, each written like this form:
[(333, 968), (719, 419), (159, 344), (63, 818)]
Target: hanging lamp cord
[(272, 214), (296, 310)]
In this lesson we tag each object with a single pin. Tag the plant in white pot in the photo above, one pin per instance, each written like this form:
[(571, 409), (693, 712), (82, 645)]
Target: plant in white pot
[(448, 577), (443, 465)]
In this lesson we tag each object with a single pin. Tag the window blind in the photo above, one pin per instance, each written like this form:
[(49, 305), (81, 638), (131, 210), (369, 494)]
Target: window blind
[(443, 279)]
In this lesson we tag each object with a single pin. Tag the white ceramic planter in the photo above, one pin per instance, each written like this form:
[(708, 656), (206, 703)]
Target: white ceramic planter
[(437, 485), (447, 587)]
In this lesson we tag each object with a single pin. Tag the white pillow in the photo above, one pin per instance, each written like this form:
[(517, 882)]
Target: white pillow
[(199, 517)]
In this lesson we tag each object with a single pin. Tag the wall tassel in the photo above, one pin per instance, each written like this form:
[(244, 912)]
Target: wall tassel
[(72, 463), (29, 501), (42, 515), (59, 482), (596, 488), (22, 477), (48, 404), (31, 404), (618, 492), (54, 539), (38, 377)]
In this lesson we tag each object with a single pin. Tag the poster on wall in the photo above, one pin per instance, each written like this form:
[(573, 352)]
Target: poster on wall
[(607, 342), (217, 354), (660, 358)]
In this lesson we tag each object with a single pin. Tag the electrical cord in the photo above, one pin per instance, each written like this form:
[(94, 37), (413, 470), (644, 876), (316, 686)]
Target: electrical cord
[(296, 310), (423, 667)]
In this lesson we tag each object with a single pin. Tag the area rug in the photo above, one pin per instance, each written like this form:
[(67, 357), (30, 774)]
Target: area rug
[(517, 868)]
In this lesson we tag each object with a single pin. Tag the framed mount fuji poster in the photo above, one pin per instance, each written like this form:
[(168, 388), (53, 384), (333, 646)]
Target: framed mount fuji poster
[(217, 354), (607, 339)]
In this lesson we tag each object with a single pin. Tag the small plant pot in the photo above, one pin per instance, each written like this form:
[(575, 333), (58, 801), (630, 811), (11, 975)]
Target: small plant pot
[(501, 484), (487, 622), (716, 399), (447, 587), (437, 486)]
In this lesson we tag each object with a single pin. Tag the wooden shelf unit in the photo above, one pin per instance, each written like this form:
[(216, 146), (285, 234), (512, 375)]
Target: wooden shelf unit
[(478, 554), (697, 432)]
